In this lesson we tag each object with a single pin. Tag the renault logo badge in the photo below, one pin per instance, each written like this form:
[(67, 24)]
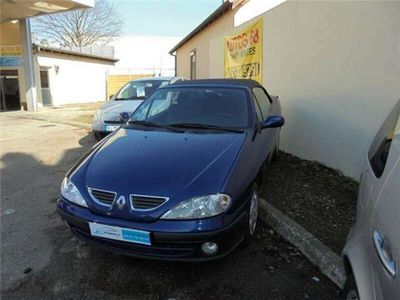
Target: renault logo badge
[(121, 202)]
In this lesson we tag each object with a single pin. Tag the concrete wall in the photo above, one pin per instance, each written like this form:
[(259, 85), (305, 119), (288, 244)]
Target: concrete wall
[(78, 80), (336, 68)]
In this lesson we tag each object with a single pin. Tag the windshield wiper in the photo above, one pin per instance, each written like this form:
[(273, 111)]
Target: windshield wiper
[(150, 124), (205, 126), (128, 98)]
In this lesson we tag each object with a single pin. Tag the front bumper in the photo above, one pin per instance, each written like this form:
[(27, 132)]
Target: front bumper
[(98, 128), (172, 246)]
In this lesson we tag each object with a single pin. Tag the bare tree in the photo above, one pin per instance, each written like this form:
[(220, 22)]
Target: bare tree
[(81, 27)]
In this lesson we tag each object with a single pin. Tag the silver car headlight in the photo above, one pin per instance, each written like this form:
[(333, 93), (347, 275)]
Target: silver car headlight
[(69, 191), (200, 207), (97, 116)]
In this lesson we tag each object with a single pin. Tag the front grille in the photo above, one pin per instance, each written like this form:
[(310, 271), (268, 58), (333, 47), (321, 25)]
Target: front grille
[(113, 122), (103, 197), (146, 202)]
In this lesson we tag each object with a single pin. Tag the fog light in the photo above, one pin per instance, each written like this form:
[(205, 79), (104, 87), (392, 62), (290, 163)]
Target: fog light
[(209, 247)]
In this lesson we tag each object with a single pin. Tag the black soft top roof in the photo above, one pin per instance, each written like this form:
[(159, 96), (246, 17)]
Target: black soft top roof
[(223, 82)]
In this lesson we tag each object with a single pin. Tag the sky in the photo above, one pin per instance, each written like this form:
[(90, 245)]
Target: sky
[(164, 17)]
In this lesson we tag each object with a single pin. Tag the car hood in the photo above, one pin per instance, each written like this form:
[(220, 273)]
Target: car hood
[(158, 163), (112, 109)]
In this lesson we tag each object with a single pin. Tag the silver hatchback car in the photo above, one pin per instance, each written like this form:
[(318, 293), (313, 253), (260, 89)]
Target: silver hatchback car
[(372, 251), (108, 118)]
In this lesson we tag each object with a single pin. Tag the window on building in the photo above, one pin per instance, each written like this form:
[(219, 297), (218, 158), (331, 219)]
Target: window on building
[(193, 64), (263, 101), (380, 147), (44, 79)]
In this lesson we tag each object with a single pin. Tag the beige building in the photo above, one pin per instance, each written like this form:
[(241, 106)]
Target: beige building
[(334, 64)]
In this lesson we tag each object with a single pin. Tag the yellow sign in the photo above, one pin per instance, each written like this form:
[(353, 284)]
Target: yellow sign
[(243, 53), (10, 50)]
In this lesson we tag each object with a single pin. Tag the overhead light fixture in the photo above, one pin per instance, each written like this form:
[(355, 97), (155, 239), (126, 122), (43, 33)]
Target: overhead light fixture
[(46, 7), (14, 21)]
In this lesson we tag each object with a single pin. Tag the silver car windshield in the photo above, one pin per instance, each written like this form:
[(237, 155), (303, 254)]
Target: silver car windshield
[(139, 90)]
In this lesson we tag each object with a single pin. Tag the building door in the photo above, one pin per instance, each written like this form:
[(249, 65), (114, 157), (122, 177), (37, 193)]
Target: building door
[(9, 90), (45, 87)]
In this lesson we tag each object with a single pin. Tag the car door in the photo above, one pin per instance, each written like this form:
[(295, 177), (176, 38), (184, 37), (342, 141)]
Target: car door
[(267, 136), (384, 232)]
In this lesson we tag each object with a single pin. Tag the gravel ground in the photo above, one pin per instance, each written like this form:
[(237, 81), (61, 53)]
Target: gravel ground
[(269, 268), (320, 199)]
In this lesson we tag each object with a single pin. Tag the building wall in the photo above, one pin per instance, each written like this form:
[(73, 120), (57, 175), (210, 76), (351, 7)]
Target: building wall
[(77, 80), (336, 68), (10, 42), (9, 34), (201, 43)]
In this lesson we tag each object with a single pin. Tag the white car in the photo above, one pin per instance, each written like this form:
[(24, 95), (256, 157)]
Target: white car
[(108, 117), (372, 251)]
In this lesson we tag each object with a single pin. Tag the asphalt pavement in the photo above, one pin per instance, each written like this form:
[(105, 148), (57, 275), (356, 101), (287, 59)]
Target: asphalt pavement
[(40, 258)]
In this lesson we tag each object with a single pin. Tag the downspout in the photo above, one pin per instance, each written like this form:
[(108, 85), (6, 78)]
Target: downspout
[(176, 63)]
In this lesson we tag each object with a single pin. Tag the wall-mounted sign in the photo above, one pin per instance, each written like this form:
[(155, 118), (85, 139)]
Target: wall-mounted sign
[(10, 56), (243, 53)]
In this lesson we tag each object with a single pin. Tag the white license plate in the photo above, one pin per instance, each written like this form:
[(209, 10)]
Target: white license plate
[(120, 233), (110, 128)]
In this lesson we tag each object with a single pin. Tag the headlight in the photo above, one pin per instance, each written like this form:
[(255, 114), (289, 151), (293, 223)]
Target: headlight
[(97, 116), (199, 207), (70, 192)]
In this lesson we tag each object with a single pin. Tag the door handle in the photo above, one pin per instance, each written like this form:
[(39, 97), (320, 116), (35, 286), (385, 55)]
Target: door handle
[(383, 250)]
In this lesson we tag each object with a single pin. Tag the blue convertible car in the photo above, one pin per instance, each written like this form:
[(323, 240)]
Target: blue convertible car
[(178, 180)]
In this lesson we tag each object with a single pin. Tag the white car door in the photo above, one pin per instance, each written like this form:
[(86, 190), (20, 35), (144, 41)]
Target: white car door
[(385, 230)]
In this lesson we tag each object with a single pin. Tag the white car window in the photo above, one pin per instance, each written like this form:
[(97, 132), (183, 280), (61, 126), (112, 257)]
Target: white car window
[(380, 147)]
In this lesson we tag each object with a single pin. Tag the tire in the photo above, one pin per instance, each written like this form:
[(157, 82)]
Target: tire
[(253, 215), (350, 291), (97, 136)]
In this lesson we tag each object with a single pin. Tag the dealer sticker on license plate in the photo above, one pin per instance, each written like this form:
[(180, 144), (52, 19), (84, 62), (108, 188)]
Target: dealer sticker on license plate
[(110, 128), (120, 234)]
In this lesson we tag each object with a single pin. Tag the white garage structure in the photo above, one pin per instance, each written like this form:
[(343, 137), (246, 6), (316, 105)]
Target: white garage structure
[(16, 57), (68, 77)]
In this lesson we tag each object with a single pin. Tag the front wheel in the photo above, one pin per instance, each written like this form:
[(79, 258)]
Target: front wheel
[(253, 215), (97, 136), (350, 291)]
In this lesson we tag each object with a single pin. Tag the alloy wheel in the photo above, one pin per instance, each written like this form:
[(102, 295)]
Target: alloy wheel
[(253, 212), (352, 295)]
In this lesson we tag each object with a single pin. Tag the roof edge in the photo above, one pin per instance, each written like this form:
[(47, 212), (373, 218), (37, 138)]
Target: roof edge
[(39, 48), (211, 18)]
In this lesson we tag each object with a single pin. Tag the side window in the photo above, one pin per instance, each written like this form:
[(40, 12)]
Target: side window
[(257, 107), (380, 147), (263, 101)]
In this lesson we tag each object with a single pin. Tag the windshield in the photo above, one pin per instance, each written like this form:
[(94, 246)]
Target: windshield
[(195, 107), (139, 89)]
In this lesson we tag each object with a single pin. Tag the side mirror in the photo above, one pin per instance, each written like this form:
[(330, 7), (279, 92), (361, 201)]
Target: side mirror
[(124, 116), (273, 122), (109, 98)]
